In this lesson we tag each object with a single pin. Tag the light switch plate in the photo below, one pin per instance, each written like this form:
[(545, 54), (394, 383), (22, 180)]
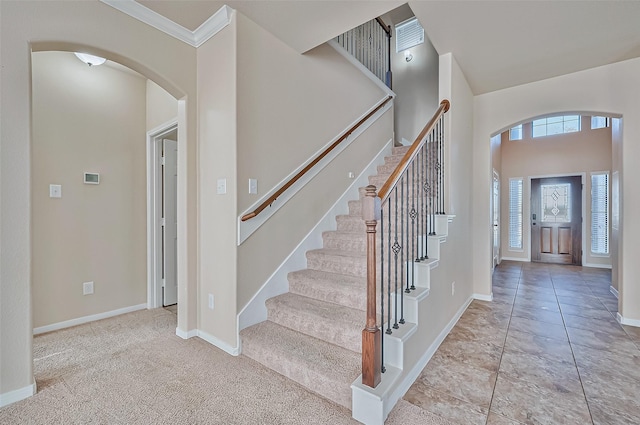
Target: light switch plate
[(253, 186), (55, 191), (221, 187)]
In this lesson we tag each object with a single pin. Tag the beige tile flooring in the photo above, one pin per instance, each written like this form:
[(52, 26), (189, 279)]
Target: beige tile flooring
[(547, 350)]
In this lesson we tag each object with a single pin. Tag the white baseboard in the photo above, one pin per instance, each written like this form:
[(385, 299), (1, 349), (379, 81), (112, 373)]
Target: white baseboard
[(614, 291), (597, 266), (373, 405), (483, 297), (628, 322), (186, 334), (255, 311), (17, 395), (234, 351), (525, 260), (87, 319)]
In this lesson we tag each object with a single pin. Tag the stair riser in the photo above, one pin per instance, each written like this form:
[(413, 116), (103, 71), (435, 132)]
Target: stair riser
[(348, 337)]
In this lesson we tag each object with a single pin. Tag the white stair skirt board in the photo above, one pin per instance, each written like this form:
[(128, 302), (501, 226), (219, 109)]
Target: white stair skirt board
[(17, 395), (371, 406), (483, 297), (255, 311), (629, 322), (614, 291), (87, 319), (246, 228)]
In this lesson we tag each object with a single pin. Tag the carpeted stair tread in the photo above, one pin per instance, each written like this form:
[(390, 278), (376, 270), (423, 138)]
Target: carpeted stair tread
[(330, 287), (330, 322), (323, 368), (338, 261), (345, 241)]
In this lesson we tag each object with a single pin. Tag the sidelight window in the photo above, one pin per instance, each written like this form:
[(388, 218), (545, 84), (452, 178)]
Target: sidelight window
[(600, 213), (515, 213)]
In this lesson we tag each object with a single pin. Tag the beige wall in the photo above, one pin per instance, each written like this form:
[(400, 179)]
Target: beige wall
[(416, 86), (60, 25), (162, 108), (586, 151), (217, 130), (287, 112), (612, 89), (87, 119)]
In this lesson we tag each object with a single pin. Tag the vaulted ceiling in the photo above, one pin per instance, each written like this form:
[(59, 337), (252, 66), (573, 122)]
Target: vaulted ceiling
[(498, 44)]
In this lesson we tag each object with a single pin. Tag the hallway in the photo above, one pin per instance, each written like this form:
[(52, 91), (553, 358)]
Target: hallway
[(548, 350)]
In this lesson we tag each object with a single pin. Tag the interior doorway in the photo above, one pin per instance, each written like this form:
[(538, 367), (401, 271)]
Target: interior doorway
[(556, 220), (496, 218), (162, 217)]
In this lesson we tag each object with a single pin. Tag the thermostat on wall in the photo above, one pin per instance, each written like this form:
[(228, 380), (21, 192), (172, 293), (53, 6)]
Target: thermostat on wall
[(92, 178)]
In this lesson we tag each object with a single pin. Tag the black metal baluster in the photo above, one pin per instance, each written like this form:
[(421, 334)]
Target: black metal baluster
[(402, 234), (414, 230), (389, 270), (396, 249)]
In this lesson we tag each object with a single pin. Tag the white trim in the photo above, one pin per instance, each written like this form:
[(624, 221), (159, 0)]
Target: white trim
[(373, 405), (525, 260), (246, 228), (234, 351), (614, 291), (196, 38), (355, 62), (597, 266), (255, 311), (628, 322), (482, 297), (186, 335), (154, 260), (87, 319), (17, 395)]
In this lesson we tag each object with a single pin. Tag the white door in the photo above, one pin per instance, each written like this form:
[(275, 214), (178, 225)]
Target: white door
[(496, 219), (170, 222)]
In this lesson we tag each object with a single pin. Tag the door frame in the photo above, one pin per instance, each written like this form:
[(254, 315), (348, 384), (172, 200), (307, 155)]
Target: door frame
[(526, 209), (154, 212)]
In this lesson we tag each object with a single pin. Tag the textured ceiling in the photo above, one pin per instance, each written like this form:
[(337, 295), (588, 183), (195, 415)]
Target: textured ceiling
[(498, 44)]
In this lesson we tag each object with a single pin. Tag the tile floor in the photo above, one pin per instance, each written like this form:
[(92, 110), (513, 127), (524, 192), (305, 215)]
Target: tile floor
[(547, 350)]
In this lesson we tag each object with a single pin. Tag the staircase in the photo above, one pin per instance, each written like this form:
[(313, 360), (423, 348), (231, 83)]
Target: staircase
[(313, 333)]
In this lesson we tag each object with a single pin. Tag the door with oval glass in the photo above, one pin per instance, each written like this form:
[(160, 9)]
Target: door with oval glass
[(556, 220)]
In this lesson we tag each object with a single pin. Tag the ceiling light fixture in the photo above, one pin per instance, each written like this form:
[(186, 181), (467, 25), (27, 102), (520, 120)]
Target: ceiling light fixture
[(90, 60), (408, 56)]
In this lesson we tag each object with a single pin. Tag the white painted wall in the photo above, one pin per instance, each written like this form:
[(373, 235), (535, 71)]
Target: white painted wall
[(612, 89), (161, 106)]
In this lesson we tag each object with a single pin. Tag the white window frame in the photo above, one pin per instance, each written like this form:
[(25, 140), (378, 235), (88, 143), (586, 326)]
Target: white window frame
[(595, 122), (518, 130), (534, 126), (516, 215), (599, 211)]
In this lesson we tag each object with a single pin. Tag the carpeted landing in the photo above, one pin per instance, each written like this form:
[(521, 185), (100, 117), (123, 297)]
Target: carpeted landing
[(133, 369)]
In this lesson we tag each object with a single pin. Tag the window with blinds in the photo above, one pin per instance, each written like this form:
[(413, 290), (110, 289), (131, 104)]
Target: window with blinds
[(515, 213), (600, 213)]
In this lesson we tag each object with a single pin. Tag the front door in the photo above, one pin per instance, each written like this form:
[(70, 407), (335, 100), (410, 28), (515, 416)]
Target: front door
[(556, 220)]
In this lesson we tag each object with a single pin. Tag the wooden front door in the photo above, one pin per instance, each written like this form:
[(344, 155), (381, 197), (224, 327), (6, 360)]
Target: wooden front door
[(556, 220)]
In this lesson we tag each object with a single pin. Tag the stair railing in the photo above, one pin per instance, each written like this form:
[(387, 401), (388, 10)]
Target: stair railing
[(405, 206), (370, 43)]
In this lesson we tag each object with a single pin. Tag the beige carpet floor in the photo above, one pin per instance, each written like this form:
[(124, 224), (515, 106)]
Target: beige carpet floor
[(133, 369)]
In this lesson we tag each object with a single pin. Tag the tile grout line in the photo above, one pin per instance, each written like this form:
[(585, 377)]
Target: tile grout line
[(564, 324), (513, 304)]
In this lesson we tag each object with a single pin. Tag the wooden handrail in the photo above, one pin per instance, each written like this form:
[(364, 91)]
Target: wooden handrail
[(302, 172), (384, 26), (391, 182)]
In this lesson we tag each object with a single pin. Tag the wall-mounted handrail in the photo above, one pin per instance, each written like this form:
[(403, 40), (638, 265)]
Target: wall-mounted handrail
[(302, 172), (391, 182)]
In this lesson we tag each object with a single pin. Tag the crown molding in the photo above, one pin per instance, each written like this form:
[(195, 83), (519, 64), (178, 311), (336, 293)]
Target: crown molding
[(196, 38)]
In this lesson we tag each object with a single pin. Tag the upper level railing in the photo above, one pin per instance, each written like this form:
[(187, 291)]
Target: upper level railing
[(315, 161), (370, 43), (405, 206)]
